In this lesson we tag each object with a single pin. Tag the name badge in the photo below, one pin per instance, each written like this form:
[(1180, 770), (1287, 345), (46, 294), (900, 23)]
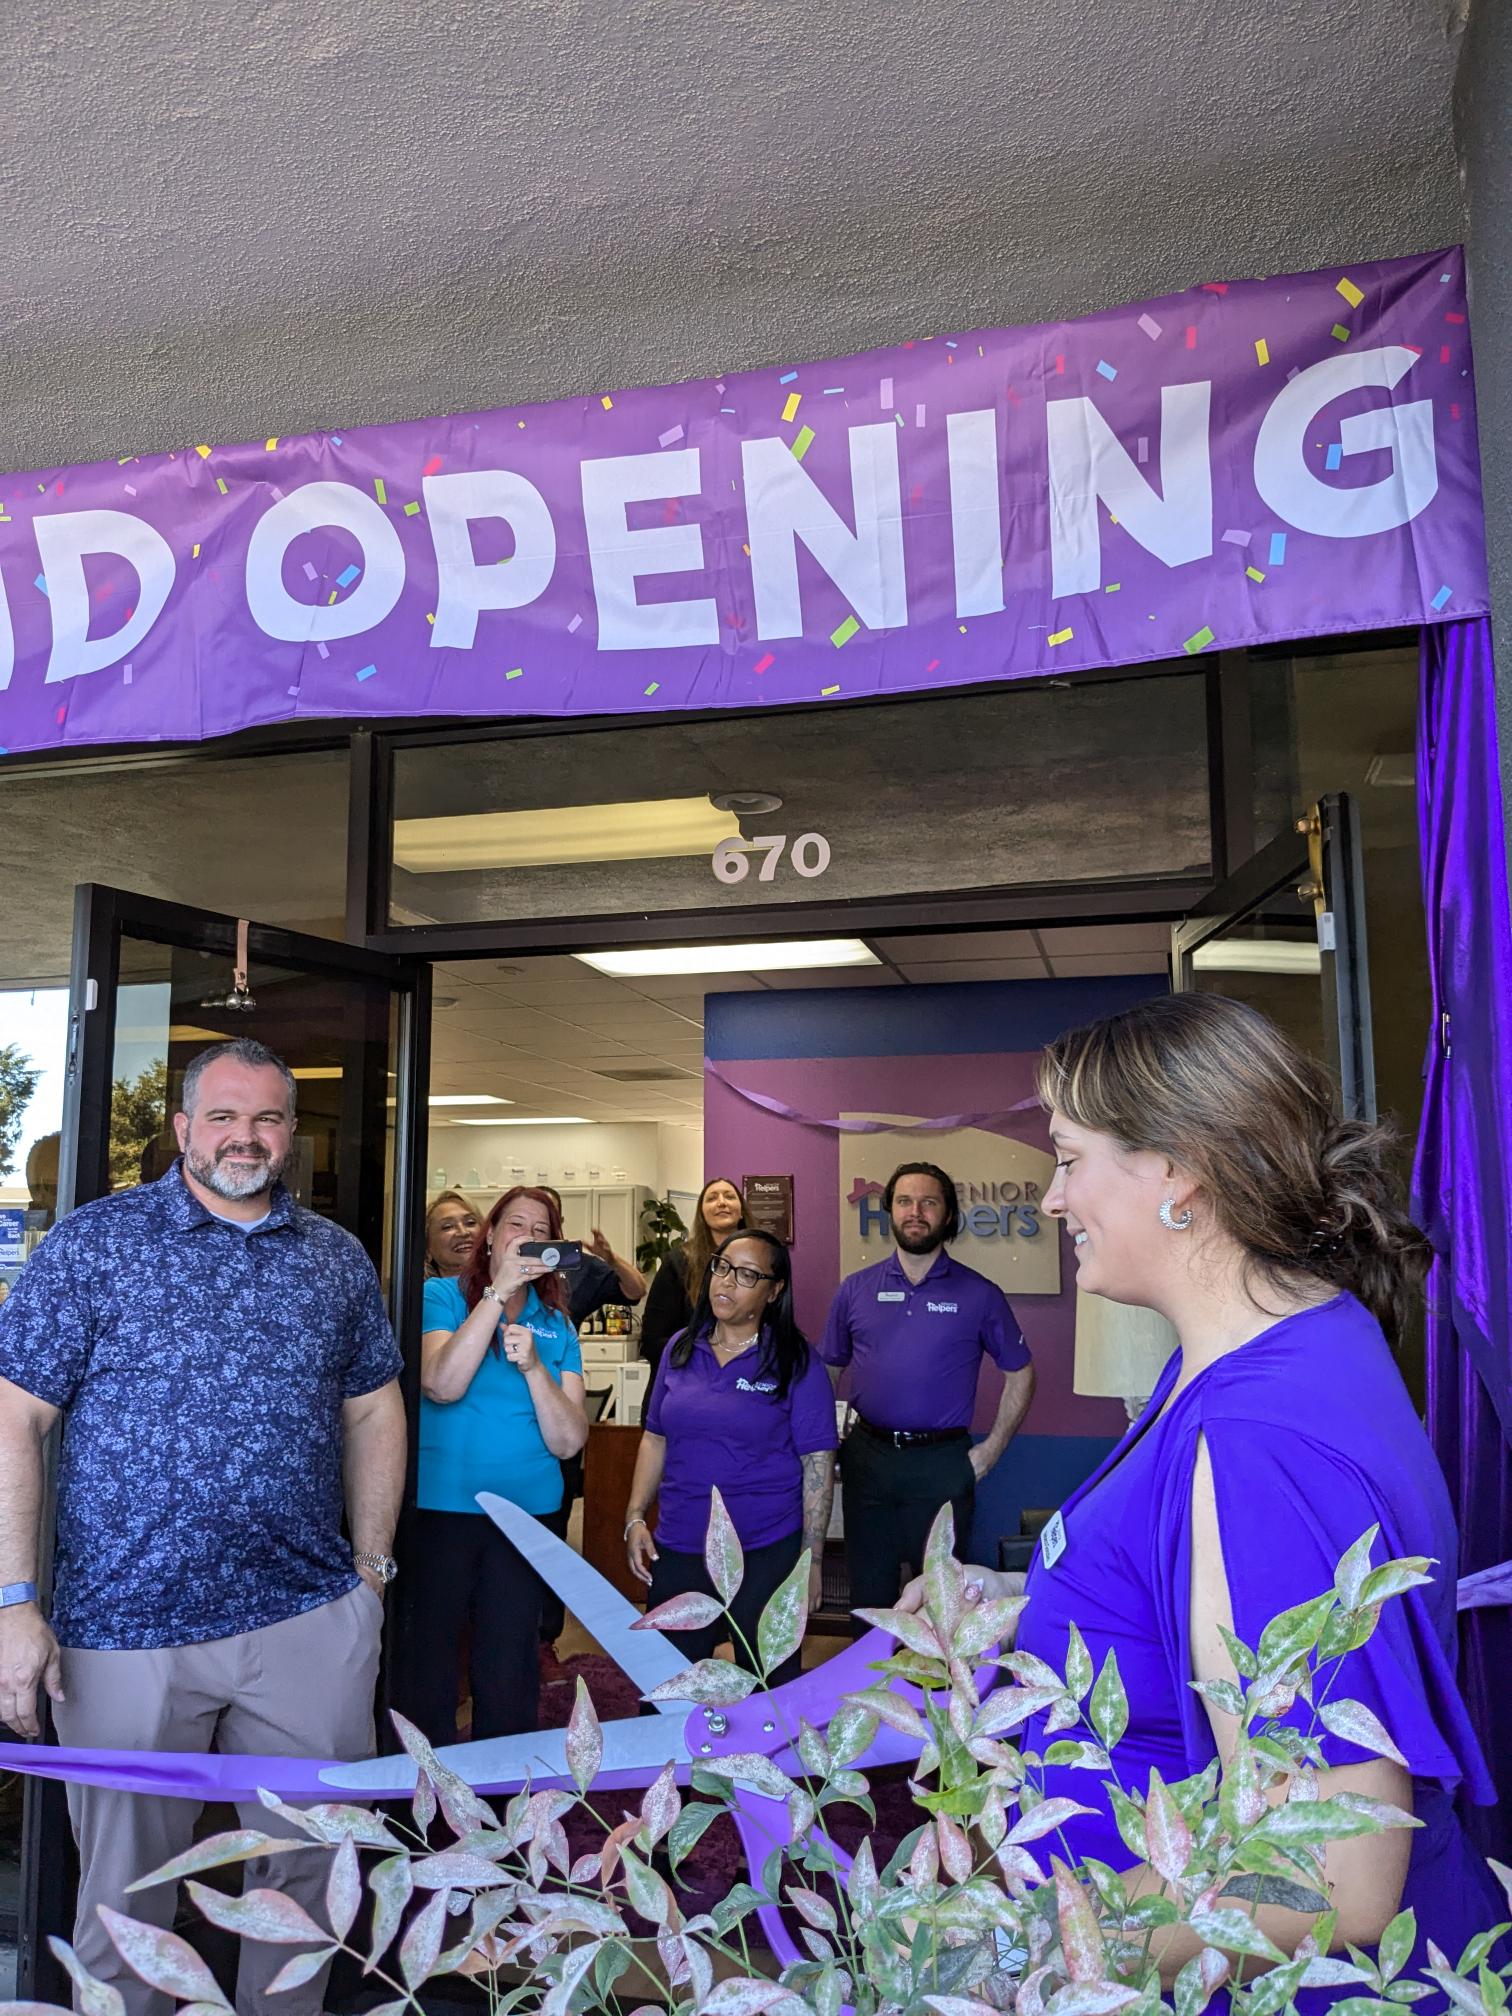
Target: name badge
[(1053, 1540), (891, 1295)]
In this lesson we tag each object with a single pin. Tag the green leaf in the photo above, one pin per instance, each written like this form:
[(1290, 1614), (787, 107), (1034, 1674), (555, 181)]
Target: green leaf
[(1274, 1990), (737, 1903), (585, 1741), (944, 1578), (723, 1555), (1246, 1665), (422, 1942), (162, 1959), (712, 1683), (1222, 1693), (1278, 1890), (1395, 1578), (780, 1631), (1109, 1707), (749, 1767), (1077, 1755), (217, 1851), (689, 1828), (988, 1625), (693, 1610), (1477, 1949), (302, 1968), (813, 1749), (647, 1892), (1400, 1936), (1078, 1664), (1294, 1632), (1309, 1823), (268, 1915), (392, 1886), (660, 1806), (1130, 1821), (1234, 1932), (612, 1961), (1149, 1913), (1353, 1567), (1080, 1933), (851, 1729), (95, 1998), (1354, 1723), (343, 1889), (1191, 1992), (1168, 1839)]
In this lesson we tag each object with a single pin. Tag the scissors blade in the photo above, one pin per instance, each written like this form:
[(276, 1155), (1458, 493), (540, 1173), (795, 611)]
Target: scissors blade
[(646, 1657), (635, 1750)]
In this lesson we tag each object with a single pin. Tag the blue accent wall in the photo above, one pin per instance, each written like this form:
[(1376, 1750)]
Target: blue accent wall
[(1036, 1471), (960, 1019)]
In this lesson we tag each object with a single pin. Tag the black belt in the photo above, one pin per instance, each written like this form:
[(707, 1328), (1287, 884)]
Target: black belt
[(911, 1438)]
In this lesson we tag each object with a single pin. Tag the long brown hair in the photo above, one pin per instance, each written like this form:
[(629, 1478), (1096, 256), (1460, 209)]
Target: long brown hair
[(476, 1275), (698, 1247), (1214, 1086)]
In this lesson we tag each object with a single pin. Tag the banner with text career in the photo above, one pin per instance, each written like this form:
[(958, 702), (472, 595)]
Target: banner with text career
[(1238, 464)]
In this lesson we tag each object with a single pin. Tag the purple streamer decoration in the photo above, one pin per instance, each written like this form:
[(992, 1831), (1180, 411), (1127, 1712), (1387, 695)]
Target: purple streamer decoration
[(945, 1123)]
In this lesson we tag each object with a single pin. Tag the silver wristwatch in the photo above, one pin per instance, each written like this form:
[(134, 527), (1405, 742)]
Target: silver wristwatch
[(384, 1566)]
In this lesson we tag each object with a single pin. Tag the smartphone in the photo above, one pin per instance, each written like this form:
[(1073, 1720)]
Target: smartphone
[(565, 1254)]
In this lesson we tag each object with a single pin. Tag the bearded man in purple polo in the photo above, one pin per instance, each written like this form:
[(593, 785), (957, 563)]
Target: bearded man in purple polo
[(914, 1330)]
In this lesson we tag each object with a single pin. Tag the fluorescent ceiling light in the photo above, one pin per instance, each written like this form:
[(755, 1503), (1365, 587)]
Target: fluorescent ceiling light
[(525, 1120), (457, 1098), (1257, 955), (651, 829), (662, 960)]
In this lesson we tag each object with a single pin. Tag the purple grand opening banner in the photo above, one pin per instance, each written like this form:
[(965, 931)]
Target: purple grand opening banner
[(1249, 462)]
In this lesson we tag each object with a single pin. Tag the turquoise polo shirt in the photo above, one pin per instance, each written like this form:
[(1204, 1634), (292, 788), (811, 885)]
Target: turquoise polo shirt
[(489, 1440)]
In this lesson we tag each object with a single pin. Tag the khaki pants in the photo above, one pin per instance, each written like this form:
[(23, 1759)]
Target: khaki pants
[(301, 1688)]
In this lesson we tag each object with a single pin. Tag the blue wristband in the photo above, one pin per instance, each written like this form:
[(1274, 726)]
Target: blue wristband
[(17, 1592)]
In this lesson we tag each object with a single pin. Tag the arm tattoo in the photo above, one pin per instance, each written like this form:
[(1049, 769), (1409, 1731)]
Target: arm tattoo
[(818, 1493)]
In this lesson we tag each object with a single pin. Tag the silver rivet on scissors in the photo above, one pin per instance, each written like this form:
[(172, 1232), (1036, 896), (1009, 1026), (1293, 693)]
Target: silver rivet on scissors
[(718, 1724)]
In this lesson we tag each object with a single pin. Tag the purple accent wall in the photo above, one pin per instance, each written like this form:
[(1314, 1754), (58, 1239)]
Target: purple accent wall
[(740, 1139)]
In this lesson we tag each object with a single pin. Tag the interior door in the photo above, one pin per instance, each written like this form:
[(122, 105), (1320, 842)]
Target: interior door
[(1286, 932), (151, 985)]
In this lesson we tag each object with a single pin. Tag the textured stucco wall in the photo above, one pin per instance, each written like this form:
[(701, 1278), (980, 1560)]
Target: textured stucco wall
[(1483, 135), (226, 223)]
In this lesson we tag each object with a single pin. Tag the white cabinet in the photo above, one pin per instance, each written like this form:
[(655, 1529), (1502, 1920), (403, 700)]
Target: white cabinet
[(614, 1208)]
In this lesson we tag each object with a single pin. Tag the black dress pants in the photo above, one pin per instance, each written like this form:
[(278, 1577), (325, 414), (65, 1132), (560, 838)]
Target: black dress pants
[(891, 1497), (766, 1568), (468, 1575)]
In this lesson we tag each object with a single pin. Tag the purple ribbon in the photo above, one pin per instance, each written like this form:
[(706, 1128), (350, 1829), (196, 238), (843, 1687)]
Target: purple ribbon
[(946, 1123)]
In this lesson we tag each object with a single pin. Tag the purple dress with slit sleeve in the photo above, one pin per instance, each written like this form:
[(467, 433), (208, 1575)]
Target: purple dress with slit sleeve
[(1312, 1440)]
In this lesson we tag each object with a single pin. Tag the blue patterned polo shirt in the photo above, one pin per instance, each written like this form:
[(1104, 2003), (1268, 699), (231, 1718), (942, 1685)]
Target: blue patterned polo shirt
[(201, 1371)]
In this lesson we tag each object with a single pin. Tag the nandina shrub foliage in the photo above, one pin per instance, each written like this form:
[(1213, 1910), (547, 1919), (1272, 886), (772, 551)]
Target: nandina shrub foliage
[(980, 1908)]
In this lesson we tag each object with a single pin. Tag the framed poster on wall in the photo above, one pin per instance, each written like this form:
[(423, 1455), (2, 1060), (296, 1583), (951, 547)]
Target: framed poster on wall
[(769, 1205)]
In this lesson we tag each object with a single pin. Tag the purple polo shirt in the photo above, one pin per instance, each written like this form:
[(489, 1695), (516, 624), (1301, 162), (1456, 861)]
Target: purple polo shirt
[(914, 1352), (724, 1425)]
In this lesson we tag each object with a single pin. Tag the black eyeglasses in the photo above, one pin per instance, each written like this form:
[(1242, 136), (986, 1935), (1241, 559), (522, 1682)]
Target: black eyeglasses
[(721, 1270)]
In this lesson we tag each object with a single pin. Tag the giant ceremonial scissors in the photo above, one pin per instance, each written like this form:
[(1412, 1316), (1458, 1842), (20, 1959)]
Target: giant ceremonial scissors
[(636, 1750)]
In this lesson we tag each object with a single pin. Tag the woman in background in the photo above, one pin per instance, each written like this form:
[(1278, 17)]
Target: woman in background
[(740, 1402), (501, 1404), (451, 1232), (678, 1281)]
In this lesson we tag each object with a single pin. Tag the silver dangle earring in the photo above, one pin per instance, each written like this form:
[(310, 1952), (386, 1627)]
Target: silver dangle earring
[(1169, 1219)]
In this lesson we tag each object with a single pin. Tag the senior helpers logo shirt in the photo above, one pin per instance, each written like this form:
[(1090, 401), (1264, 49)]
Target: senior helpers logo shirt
[(726, 1425)]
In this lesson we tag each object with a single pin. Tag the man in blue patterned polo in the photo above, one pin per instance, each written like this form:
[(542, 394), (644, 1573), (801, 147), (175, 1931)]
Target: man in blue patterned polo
[(228, 1384)]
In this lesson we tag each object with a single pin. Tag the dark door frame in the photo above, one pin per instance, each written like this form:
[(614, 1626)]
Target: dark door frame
[(103, 917)]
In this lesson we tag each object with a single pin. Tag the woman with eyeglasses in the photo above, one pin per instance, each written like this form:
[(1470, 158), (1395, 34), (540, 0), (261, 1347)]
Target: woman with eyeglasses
[(740, 1403)]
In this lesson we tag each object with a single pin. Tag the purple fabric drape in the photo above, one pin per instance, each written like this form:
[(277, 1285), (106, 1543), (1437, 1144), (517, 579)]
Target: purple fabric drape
[(1462, 1181)]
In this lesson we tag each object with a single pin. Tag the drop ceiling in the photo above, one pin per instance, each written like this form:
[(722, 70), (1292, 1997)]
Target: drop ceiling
[(544, 1032)]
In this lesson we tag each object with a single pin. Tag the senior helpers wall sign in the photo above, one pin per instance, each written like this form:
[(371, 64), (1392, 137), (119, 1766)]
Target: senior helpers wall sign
[(1263, 459)]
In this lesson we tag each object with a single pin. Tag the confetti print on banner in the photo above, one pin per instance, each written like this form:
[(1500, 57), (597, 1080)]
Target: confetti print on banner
[(1352, 294), (1150, 327), (1232, 538), (1278, 549), (1061, 636), (671, 438), (1199, 641), (1262, 350), (844, 632), (1107, 370), (367, 672), (1254, 573), (1442, 597), (790, 408), (765, 664)]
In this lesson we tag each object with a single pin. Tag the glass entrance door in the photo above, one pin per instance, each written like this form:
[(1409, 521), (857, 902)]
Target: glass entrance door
[(1286, 932), (152, 984)]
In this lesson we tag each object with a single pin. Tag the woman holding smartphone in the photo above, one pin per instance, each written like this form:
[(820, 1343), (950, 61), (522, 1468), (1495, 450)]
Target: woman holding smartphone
[(501, 1383)]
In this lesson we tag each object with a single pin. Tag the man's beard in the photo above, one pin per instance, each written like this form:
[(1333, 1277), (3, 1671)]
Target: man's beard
[(234, 1184), (926, 1241)]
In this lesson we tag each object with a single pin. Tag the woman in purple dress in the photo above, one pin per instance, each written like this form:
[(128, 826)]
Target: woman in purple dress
[(1202, 1172)]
